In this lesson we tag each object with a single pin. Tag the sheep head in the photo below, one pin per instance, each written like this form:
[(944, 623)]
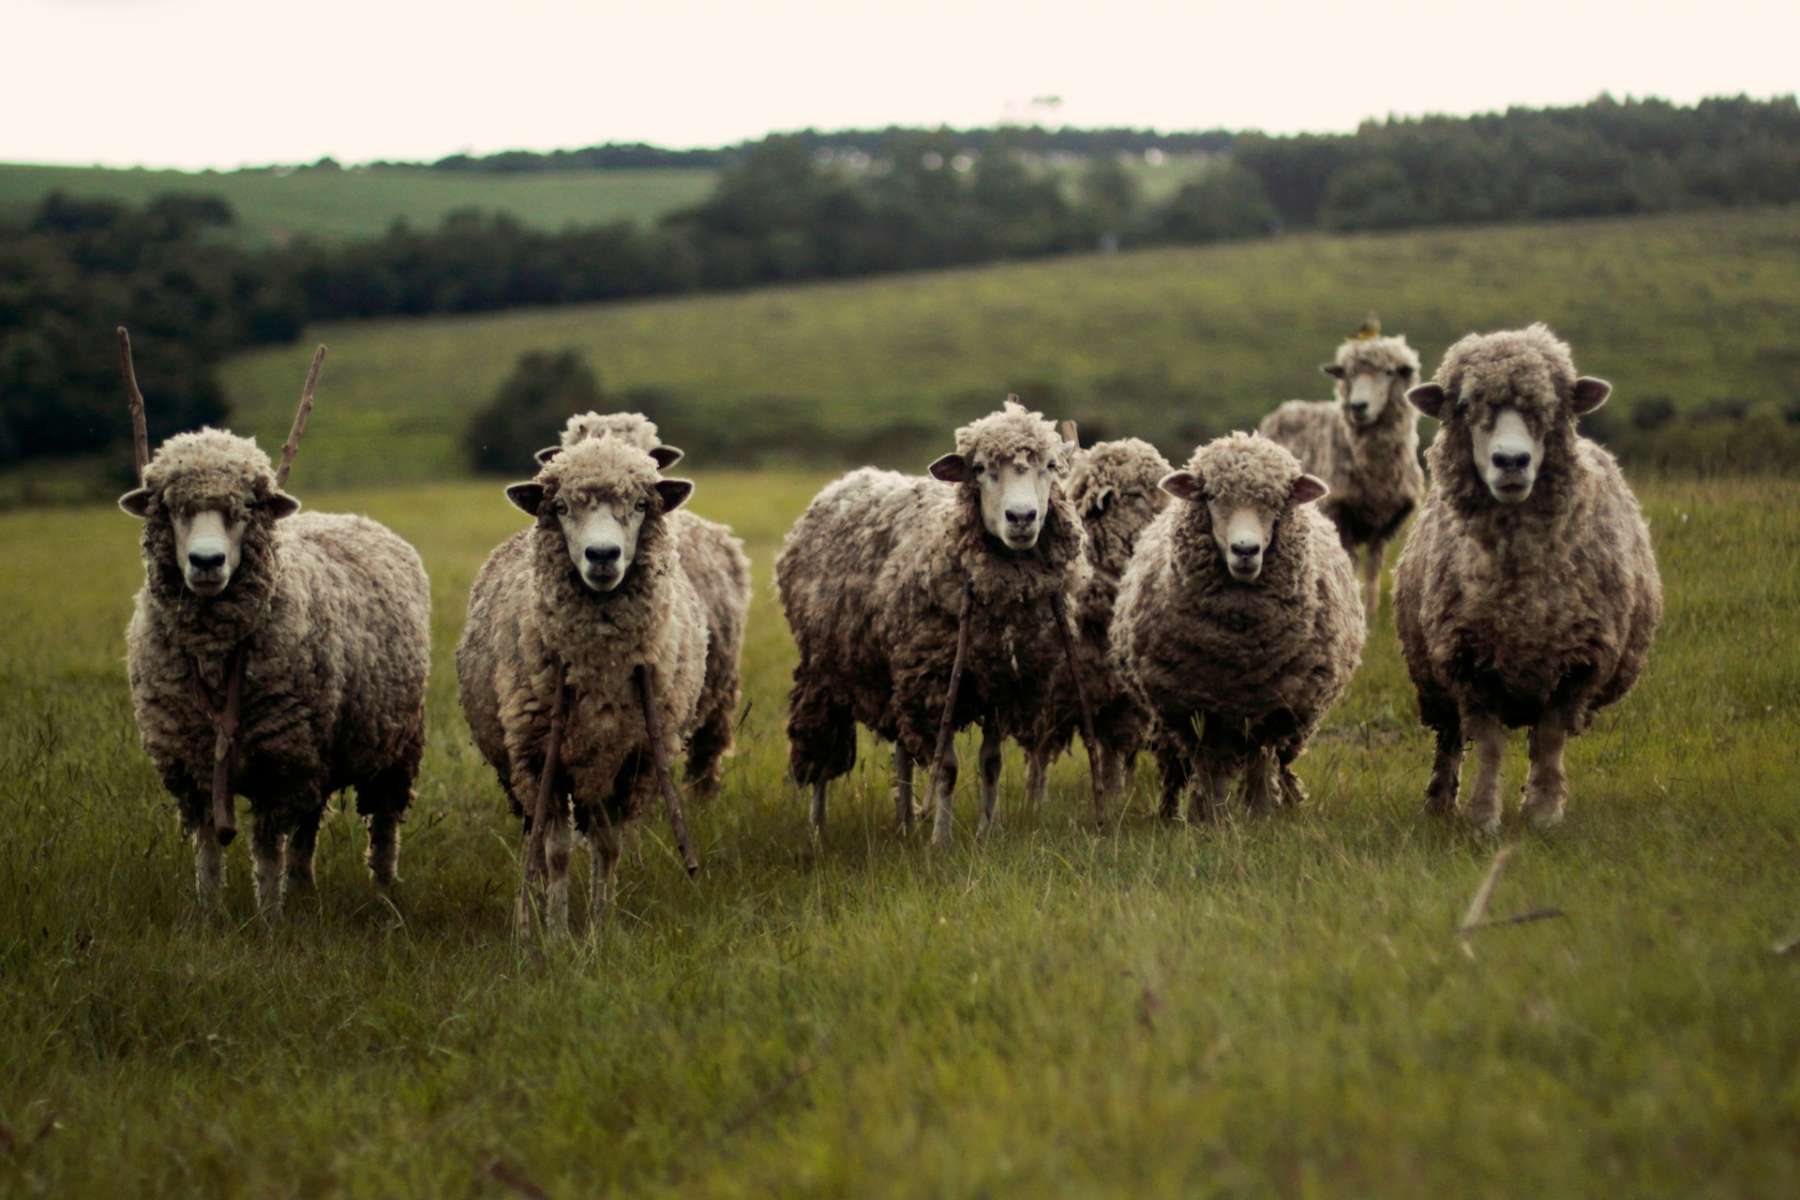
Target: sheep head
[(1372, 374), (1245, 484), (606, 498), (1508, 402), (203, 495), (1115, 489), (1010, 460)]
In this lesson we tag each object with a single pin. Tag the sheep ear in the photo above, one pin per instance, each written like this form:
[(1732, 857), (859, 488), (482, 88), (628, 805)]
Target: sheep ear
[(666, 456), (1101, 501), (674, 492), (1428, 398), (1332, 369), (546, 454), (952, 468), (1589, 394), (1183, 485), (1307, 488), (1070, 433), (136, 501), (280, 505), (526, 497)]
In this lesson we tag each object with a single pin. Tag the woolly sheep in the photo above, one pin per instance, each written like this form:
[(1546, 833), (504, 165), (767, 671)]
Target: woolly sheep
[(1237, 623), (1528, 592), (1364, 444), (332, 613), (719, 570), (1115, 489), (872, 578), (596, 588)]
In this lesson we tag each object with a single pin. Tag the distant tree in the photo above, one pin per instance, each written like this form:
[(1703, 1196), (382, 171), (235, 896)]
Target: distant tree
[(1225, 202), (528, 411), (1109, 196)]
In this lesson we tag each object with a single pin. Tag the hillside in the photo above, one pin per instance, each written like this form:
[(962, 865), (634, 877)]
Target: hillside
[(362, 203), (1170, 344)]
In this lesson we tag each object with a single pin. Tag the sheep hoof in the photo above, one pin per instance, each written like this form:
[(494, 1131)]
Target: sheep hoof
[(1544, 812), (1485, 823)]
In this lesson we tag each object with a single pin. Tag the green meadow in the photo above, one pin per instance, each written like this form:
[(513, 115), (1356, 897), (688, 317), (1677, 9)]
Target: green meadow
[(1170, 344), (343, 205), (1277, 1006)]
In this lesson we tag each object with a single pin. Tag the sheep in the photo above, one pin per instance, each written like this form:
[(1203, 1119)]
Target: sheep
[(584, 621), (1364, 444), (312, 631), (1115, 488), (718, 568), (1527, 593), (1238, 623), (888, 581)]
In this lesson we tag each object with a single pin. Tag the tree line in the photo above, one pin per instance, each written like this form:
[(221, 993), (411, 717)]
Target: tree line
[(792, 208)]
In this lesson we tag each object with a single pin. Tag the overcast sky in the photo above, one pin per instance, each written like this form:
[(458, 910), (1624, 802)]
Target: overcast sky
[(196, 83)]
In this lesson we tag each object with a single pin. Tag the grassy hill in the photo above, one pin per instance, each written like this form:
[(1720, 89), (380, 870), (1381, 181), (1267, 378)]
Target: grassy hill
[(1275, 1007), (1168, 344), (362, 203)]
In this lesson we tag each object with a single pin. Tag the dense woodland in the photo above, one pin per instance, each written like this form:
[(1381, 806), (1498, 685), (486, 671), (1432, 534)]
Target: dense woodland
[(816, 206)]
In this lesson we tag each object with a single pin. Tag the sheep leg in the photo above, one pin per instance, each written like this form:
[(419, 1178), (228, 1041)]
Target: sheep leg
[(209, 863), (533, 876), (558, 847), (605, 846), (384, 848), (1446, 770), (903, 789), (943, 782), (302, 841), (1489, 736), (1547, 789), (383, 800), (1037, 777), (266, 845), (660, 755), (1371, 569), (1211, 779), (1258, 797), (1058, 610), (818, 808), (990, 775), (1292, 794), (1174, 761)]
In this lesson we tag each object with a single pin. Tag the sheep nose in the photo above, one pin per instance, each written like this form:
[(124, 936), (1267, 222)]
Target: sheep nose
[(1021, 516), (602, 556), (206, 562), (1359, 406), (1246, 549), (1512, 462)]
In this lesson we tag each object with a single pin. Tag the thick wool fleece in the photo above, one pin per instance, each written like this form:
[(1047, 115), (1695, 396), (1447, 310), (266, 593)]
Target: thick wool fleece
[(871, 580), (1268, 658), (530, 612), (720, 571), (1113, 488), (1515, 611), (334, 614), (633, 428), (1373, 472)]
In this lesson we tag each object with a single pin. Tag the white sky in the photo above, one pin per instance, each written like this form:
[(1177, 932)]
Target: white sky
[(222, 83)]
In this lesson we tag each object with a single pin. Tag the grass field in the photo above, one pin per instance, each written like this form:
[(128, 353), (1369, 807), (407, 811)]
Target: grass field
[(1275, 1007), (1166, 344), (342, 205)]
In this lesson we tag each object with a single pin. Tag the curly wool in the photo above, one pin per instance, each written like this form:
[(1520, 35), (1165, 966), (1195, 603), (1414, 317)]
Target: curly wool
[(1373, 472), (334, 614), (529, 613), (1272, 656), (871, 579), (719, 569), (1515, 610), (633, 428), (1113, 488)]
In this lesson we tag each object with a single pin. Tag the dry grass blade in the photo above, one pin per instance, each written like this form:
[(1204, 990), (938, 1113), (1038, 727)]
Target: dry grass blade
[(1479, 901), (1524, 918), (134, 398), (514, 1180), (292, 446)]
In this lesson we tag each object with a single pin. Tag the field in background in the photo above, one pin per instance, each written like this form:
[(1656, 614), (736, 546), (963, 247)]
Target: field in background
[(1172, 345), (348, 204), (1275, 1006)]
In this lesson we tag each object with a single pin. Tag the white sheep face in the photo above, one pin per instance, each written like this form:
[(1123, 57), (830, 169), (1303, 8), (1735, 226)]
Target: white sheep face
[(1242, 532), (1508, 451), (209, 544), (601, 534), (1366, 396)]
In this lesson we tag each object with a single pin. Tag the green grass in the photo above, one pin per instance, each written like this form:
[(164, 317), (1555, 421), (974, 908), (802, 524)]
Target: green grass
[(1167, 344), (1275, 1007), (344, 205)]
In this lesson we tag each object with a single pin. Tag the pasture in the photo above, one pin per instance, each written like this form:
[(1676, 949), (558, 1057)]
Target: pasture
[(1276, 1006), (1169, 344), (272, 206)]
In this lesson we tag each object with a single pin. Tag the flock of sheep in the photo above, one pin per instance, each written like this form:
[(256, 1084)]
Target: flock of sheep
[(1211, 615)]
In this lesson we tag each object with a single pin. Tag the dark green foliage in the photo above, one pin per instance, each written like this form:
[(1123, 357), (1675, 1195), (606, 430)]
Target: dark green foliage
[(528, 411)]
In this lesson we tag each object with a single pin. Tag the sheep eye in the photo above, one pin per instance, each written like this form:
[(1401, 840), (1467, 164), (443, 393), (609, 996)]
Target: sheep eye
[(560, 508), (643, 506)]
